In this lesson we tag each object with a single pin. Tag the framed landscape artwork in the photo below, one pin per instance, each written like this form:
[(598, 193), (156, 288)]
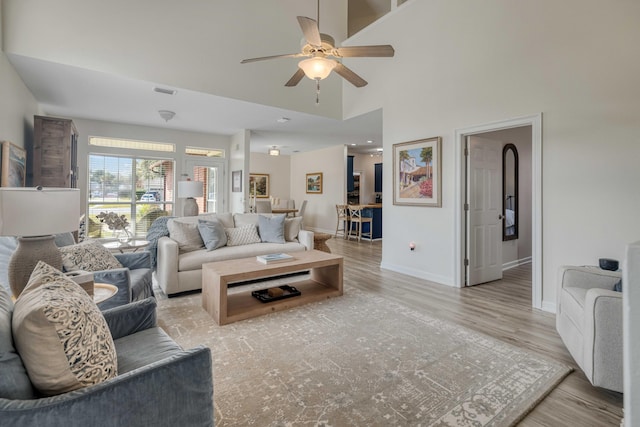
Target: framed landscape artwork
[(314, 183), (13, 165), (236, 181), (417, 173), (259, 185)]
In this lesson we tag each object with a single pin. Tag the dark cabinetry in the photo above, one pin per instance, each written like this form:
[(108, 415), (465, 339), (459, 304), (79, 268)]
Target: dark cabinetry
[(378, 177), (349, 173), (54, 161), (376, 214)]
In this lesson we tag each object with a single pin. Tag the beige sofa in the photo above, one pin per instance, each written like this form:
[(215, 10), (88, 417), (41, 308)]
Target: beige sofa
[(589, 321), (179, 268)]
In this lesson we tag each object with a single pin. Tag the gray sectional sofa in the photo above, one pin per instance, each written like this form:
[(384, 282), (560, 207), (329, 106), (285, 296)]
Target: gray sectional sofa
[(179, 266)]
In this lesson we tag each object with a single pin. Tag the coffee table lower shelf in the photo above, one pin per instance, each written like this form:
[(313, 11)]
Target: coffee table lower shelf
[(243, 305), (325, 281)]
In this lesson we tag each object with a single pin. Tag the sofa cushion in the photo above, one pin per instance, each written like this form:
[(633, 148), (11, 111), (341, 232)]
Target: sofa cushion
[(89, 255), (186, 234), (212, 233), (14, 381), (292, 228), (271, 229), (244, 235), (194, 260), (156, 343), (61, 335), (240, 220)]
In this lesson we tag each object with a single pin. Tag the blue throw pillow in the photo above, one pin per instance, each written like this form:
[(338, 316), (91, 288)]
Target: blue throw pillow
[(271, 229), (212, 233)]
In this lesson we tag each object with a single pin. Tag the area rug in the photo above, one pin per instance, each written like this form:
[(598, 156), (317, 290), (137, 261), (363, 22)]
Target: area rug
[(360, 360)]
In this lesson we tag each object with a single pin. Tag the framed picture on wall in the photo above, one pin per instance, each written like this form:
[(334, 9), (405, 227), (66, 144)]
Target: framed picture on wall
[(314, 183), (417, 173), (259, 185), (13, 165), (236, 181)]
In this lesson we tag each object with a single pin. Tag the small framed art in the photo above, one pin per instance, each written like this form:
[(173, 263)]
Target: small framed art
[(314, 183)]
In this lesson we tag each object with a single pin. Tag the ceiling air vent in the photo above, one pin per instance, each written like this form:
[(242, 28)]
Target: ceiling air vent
[(165, 91)]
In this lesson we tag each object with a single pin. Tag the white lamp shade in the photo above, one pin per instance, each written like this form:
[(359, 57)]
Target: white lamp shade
[(190, 189), (317, 68), (38, 212)]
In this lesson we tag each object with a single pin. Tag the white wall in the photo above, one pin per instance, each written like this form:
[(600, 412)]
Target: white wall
[(239, 161), (17, 104), (320, 214), (87, 128), (631, 335), (279, 171), (472, 63)]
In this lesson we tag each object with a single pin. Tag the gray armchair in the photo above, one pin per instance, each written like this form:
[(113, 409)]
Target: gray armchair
[(589, 321), (133, 280), (158, 383)]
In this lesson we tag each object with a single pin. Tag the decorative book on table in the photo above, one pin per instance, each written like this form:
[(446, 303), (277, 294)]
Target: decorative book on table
[(271, 258)]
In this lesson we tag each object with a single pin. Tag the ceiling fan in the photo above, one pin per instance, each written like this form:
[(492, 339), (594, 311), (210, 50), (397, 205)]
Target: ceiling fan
[(319, 48)]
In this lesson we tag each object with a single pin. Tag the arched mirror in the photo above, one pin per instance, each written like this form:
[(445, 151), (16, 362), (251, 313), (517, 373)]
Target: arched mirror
[(509, 192)]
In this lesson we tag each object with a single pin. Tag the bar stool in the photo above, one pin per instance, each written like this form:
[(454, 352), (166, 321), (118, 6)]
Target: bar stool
[(355, 217), (343, 217)]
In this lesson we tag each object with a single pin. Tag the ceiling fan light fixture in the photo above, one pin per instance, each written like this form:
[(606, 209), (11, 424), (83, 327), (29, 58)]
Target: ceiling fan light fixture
[(317, 68)]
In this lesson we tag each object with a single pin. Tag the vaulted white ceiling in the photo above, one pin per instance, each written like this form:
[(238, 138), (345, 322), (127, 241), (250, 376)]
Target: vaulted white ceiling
[(101, 60)]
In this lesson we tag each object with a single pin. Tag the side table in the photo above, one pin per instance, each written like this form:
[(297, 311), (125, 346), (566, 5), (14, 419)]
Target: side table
[(103, 291), (320, 242), (123, 247)]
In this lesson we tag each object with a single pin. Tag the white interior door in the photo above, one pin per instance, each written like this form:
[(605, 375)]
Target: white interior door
[(484, 216)]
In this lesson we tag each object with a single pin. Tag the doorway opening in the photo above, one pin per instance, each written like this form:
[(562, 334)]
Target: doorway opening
[(468, 249)]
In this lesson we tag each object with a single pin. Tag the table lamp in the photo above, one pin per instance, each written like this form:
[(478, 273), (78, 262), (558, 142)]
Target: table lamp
[(188, 190), (33, 215)]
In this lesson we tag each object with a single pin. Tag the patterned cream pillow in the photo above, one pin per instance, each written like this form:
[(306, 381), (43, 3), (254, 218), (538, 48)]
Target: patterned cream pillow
[(244, 235), (89, 255), (61, 335)]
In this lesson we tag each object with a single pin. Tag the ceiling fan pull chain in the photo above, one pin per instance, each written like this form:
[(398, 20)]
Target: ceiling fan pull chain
[(317, 91)]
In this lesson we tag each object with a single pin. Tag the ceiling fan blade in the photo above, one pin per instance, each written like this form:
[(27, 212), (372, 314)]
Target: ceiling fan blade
[(263, 58), (350, 76), (310, 30), (383, 50), (295, 79)]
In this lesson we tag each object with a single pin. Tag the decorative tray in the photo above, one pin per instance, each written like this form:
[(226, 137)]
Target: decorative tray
[(287, 292)]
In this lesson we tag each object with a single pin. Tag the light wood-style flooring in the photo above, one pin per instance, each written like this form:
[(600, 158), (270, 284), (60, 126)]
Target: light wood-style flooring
[(501, 309)]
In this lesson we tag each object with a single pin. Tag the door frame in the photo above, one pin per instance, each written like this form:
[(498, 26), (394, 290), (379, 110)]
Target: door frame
[(535, 121)]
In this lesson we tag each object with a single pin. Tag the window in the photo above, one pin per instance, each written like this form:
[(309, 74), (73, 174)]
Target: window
[(140, 188)]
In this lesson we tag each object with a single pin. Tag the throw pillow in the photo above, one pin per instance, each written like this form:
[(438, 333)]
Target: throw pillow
[(186, 234), (244, 235), (618, 286), (271, 229), (292, 228), (61, 335), (212, 233), (89, 255)]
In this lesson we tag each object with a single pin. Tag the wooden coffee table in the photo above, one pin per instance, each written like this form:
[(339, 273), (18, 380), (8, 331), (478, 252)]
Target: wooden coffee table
[(325, 281)]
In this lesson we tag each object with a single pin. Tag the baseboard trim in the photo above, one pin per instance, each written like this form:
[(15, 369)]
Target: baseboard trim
[(549, 306), (420, 274), (513, 264)]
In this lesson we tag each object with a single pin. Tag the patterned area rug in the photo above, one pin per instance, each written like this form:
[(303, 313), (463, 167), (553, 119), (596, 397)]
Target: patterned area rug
[(360, 360)]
